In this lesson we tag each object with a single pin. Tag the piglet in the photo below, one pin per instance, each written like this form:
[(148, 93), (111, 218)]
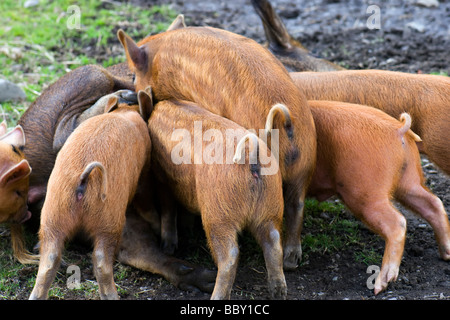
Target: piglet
[(368, 159), (95, 177)]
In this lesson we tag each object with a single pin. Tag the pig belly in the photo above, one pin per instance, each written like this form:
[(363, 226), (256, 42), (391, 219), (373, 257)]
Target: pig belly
[(322, 186)]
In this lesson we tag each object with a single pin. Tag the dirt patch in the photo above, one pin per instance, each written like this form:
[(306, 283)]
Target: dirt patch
[(412, 38)]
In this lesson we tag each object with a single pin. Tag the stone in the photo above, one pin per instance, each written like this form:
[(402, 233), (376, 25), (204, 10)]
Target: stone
[(10, 91)]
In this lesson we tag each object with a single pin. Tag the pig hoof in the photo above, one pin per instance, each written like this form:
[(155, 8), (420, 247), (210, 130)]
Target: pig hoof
[(386, 275), (278, 290), (292, 255), (168, 247), (193, 278), (445, 253)]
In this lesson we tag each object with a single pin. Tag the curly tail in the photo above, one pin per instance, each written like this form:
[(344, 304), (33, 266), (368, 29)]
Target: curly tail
[(282, 109), (405, 119), (241, 146), (255, 168), (84, 178)]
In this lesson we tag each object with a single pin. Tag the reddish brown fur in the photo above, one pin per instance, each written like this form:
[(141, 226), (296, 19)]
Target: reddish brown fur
[(119, 140), (236, 78), (14, 174), (228, 196), (363, 157), (14, 179), (425, 97)]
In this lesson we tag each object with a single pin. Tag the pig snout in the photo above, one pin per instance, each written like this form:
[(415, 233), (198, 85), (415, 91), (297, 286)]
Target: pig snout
[(22, 215), (129, 97)]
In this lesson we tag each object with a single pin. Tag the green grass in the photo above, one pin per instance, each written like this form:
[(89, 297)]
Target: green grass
[(368, 257), (14, 277), (330, 228), (37, 46), (440, 73), (327, 228)]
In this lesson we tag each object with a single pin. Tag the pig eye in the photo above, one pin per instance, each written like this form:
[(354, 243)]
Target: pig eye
[(19, 194), (15, 150), (134, 78)]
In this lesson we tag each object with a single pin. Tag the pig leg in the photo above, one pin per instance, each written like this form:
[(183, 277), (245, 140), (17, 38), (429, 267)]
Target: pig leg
[(270, 241), (420, 200), (293, 213), (222, 240), (381, 217), (139, 248), (225, 251), (54, 230), (169, 234), (48, 266), (103, 259)]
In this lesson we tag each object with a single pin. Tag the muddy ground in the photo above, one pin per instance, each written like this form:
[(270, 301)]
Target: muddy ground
[(412, 38)]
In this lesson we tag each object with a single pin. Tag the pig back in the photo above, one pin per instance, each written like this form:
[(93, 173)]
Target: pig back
[(118, 140), (52, 116), (191, 148), (236, 78)]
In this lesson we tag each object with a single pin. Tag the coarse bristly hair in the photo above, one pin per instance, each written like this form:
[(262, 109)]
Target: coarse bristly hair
[(424, 97)]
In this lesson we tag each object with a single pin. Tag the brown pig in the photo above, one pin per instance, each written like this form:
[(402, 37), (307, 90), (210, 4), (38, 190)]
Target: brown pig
[(57, 111), (95, 177), (234, 77), (208, 177), (289, 51), (68, 100), (425, 97), (368, 158), (14, 176)]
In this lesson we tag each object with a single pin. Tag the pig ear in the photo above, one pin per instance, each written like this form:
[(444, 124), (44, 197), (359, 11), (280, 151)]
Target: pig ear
[(145, 103), (112, 104), (178, 23), (16, 137), (16, 173), (3, 128), (136, 56)]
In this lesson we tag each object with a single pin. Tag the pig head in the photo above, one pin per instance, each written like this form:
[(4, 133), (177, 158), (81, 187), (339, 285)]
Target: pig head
[(14, 175)]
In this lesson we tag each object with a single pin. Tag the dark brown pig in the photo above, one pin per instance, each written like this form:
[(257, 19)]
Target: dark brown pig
[(54, 115), (289, 51)]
